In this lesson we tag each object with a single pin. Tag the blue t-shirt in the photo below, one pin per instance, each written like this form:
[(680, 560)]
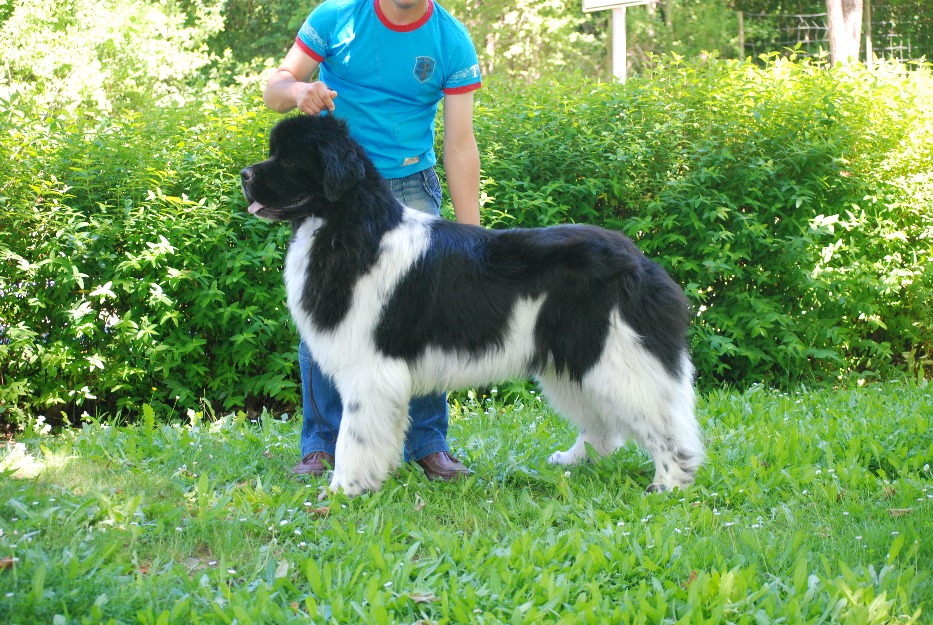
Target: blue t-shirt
[(389, 79)]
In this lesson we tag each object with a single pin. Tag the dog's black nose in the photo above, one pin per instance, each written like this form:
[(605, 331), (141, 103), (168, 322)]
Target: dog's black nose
[(247, 174)]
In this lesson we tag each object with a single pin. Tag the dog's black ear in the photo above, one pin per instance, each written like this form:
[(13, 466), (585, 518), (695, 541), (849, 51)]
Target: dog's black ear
[(343, 168)]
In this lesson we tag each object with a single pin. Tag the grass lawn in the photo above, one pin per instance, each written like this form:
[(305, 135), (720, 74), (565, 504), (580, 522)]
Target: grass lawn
[(814, 507)]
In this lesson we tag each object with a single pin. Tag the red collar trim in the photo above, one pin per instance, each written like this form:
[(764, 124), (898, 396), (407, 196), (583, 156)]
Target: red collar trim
[(405, 28)]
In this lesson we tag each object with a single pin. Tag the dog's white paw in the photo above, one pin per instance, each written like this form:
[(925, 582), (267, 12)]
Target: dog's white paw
[(350, 488), (563, 458)]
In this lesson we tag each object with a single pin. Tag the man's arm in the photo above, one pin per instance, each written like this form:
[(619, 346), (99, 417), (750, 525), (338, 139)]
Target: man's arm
[(461, 157), (288, 88)]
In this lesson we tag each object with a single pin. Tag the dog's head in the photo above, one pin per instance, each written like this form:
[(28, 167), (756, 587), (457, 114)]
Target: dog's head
[(313, 163)]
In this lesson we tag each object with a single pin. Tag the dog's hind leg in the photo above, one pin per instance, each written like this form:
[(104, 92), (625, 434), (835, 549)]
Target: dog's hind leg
[(568, 398), (659, 411), (672, 436), (372, 431)]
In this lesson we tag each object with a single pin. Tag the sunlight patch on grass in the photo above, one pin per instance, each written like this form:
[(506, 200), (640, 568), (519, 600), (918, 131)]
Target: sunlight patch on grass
[(19, 462)]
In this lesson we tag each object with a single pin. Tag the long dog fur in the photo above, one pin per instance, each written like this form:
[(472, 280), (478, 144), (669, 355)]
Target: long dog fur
[(394, 303)]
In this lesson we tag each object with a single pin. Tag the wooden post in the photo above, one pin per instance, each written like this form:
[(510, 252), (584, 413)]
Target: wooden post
[(869, 52), (741, 35), (618, 43)]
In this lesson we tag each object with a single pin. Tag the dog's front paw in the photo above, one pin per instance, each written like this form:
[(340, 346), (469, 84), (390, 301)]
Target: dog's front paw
[(563, 458), (350, 488)]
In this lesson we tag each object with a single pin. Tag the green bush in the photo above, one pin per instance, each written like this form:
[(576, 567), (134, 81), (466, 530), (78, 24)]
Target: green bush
[(794, 203), (130, 271)]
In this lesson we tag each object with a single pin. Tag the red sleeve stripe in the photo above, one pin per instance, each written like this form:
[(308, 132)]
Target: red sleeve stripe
[(464, 89), (307, 50)]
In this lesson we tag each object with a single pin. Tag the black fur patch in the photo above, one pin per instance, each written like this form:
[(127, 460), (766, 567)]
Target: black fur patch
[(460, 295)]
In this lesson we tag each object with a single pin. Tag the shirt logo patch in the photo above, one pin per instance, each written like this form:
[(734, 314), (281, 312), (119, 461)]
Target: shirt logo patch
[(424, 68)]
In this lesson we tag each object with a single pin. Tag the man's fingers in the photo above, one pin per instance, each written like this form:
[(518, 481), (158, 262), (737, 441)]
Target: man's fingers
[(327, 99)]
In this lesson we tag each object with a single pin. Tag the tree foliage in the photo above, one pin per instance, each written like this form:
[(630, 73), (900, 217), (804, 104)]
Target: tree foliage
[(104, 54)]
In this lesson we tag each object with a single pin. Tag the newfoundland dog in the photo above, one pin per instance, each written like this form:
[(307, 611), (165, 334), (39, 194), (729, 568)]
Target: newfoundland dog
[(394, 303)]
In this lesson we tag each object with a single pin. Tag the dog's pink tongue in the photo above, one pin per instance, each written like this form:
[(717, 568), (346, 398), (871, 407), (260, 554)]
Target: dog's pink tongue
[(255, 207)]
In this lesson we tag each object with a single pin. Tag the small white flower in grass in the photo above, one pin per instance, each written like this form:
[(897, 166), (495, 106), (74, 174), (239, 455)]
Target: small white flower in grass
[(231, 571), (858, 538), (387, 584), (729, 524), (302, 544), (297, 532), (9, 595), (804, 492), (895, 533), (566, 473), (178, 529), (284, 522), (845, 513)]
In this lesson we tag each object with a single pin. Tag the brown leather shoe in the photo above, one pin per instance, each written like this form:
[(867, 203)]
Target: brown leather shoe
[(316, 463), (442, 466)]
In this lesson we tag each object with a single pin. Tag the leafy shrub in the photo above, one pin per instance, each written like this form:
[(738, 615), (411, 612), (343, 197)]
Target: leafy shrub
[(793, 202), (130, 271)]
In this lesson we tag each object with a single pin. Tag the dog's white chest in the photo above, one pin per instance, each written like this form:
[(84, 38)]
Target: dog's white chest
[(296, 271)]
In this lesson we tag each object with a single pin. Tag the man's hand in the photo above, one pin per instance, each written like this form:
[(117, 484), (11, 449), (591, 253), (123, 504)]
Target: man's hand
[(313, 97)]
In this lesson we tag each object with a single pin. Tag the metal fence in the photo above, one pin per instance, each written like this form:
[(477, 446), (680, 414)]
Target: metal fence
[(900, 33), (896, 32)]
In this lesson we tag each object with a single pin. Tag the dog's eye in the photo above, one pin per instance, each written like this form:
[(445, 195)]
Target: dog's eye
[(287, 162)]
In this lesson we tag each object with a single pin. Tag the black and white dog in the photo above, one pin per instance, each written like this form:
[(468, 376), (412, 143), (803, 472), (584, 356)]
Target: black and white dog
[(394, 303)]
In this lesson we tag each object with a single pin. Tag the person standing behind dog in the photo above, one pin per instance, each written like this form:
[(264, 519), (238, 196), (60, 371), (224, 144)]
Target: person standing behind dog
[(384, 67)]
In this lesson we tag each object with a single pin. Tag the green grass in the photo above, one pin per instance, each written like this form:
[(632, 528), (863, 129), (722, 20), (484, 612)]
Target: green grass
[(814, 507)]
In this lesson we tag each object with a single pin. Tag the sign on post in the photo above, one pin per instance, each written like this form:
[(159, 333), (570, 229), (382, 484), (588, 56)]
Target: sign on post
[(618, 28)]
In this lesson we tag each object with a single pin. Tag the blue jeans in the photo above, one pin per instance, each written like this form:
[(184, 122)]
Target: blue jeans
[(427, 433)]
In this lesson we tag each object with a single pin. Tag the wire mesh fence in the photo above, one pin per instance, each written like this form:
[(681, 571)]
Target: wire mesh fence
[(903, 32), (900, 33)]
